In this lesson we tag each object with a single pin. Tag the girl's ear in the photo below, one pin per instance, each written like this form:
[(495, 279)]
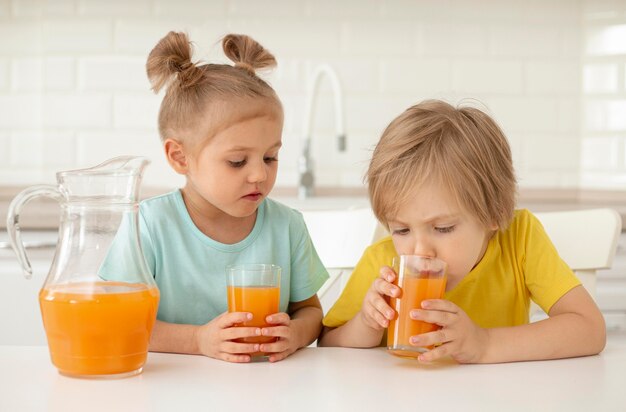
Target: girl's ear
[(176, 157)]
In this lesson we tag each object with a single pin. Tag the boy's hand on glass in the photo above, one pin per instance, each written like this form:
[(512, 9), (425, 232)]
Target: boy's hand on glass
[(216, 338), (459, 336), (375, 311), (284, 330)]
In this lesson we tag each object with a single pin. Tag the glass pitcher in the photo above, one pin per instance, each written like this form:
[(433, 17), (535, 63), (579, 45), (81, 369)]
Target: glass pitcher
[(99, 301)]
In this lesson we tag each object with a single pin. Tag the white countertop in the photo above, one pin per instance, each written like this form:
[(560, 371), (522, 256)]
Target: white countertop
[(320, 379)]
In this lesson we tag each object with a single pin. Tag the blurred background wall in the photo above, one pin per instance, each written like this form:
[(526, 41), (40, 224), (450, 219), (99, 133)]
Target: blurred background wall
[(73, 89)]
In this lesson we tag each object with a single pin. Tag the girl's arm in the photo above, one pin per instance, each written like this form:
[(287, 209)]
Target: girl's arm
[(575, 328), (213, 339), (296, 329), (306, 318), (174, 338)]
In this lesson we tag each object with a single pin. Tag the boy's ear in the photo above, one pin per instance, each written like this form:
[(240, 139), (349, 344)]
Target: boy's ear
[(176, 157)]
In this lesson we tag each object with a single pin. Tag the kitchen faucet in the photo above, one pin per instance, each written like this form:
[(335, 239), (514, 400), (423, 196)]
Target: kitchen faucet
[(306, 179)]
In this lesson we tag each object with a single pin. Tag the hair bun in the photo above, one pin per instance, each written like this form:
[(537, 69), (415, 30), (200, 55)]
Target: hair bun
[(247, 53), (246, 66), (170, 59)]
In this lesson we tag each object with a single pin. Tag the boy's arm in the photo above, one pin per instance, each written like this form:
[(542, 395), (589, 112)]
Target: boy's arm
[(366, 328), (355, 333), (575, 328)]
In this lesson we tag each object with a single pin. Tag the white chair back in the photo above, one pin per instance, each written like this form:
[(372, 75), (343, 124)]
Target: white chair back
[(340, 237), (585, 239)]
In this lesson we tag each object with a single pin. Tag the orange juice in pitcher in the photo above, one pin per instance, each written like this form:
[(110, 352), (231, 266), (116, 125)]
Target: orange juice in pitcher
[(99, 301), (100, 328)]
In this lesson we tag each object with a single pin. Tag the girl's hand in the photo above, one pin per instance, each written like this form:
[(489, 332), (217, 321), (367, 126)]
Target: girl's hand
[(215, 339), (375, 311), (285, 330), (460, 338)]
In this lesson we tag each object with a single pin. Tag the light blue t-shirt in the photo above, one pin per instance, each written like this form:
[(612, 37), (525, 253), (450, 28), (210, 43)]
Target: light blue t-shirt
[(190, 267)]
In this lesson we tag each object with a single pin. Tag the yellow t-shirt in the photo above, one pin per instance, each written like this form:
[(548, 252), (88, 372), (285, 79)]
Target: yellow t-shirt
[(520, 264)]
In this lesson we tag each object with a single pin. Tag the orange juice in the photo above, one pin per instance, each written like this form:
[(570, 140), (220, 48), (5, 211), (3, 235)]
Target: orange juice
[(261, 301), (414, 291), (100, 328)]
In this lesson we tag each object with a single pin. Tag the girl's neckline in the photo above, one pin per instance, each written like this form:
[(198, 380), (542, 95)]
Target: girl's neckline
[(233, 247)]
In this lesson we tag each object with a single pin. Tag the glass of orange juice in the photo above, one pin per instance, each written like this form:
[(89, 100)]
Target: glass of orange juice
[(419, 278), (254, 288)]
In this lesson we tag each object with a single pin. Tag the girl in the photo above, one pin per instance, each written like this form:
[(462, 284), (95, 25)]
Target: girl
[(221, 128)]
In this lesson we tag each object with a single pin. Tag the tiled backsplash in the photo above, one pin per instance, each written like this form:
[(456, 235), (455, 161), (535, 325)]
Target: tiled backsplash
[(73, 89)]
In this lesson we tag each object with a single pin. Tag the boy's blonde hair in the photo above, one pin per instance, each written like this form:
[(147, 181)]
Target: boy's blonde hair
[(205, 98), (461, 148)]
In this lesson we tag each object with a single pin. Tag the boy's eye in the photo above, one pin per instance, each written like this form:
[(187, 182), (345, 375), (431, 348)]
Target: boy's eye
[(270, 159), (400, 231), (445, 229), (237, 163)]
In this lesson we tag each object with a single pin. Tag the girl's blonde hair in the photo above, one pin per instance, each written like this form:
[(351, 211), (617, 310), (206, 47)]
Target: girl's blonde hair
[(197, 94), (461, 148)]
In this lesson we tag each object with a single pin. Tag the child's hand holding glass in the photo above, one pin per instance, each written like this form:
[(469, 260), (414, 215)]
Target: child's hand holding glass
[(376, 312), (287, 332), (428, 327), (224, 338), (459, 336), (218, 338)]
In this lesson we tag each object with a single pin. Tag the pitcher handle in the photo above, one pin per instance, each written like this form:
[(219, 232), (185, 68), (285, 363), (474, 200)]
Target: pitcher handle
[(13, 218)]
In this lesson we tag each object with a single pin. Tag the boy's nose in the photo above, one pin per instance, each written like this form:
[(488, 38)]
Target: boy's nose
[(422, 247)]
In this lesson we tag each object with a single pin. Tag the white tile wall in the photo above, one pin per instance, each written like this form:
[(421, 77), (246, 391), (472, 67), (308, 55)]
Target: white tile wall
[(20, 111), (76, 111), (604, 95), (27, 74), (5, 143), (4, 74), (77, 36), (60, 74), (600, 78), (73, 89), (5, 8)]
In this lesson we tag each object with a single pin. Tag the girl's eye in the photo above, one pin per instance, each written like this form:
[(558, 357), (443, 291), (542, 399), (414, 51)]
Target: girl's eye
[(270, 159), (446, 229), (239, 163), (400, 232)]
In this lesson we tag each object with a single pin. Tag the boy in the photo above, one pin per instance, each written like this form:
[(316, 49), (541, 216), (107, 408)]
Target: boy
[(441, 180)]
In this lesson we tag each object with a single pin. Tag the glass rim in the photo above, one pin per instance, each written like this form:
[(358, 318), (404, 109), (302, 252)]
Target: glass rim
[(421, 257), (253, 267), (439, 267)]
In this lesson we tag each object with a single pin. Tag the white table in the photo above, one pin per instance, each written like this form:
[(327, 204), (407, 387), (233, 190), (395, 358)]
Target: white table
[(320, 379)]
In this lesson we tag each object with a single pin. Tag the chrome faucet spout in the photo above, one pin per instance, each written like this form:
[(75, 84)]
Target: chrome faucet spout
[(305, 162)]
